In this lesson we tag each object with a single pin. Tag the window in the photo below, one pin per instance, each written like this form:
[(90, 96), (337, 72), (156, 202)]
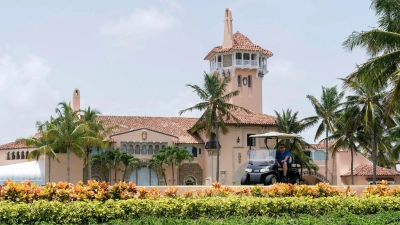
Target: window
[(238, 55), (18, 156), (13, 155), (194, 151), (308, 153), (27, 153), (199, 151), (162, 146), (249, 81), (156, 149), (150, 152), (123, 148), (144, 150), (319, 155), (130, 150), (239, 81), (250, 141), (137, 149), (22, 155), (8, 156), (190, 181)]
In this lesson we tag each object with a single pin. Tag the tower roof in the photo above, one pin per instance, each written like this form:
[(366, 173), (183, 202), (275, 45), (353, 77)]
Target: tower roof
[(240, 42)]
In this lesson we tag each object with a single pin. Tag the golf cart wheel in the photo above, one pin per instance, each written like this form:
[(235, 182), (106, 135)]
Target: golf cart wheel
[(297, 180), (270, 179), (244, 180)]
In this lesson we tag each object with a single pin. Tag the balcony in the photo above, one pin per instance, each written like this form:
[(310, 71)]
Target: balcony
[(246, 63), (211, 145)]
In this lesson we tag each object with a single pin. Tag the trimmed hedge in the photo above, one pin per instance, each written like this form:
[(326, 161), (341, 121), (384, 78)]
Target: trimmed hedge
[(83, 212)]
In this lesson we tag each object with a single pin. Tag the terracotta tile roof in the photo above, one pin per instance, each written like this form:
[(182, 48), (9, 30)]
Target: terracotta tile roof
[(366, 170), (12, 145), (319, 145), (240, 42), (252, 118), (179, 127), (175, 126)]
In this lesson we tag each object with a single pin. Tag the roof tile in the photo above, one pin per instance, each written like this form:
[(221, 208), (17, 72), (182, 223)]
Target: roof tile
[(366, 170), (240, 42)]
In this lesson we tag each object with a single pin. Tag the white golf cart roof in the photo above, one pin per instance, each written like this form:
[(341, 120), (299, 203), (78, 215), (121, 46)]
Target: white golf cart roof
[(276, 135)]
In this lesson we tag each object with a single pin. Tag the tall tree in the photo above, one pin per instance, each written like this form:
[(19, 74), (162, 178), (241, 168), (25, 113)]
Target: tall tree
[(215, 104), (90, 117), (347, 134), (382, 45), (368, 100), (180, 155), (113, 159), (326, 110), (100, 160), (287, 122), (69, 132)]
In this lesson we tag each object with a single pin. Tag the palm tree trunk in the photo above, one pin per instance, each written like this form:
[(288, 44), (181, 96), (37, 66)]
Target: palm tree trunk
[(351, 164), (326, 153), (217, 140), (49, 168), (89, 164), (173, 175), (373, 155), (115, 174), (68, 162), (333, 181)]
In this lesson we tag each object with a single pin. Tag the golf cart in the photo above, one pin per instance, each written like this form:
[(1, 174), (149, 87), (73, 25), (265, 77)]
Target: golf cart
[(262, 167)]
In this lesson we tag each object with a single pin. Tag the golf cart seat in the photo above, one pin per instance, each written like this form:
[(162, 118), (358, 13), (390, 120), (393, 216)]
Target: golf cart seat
[(290, 161)]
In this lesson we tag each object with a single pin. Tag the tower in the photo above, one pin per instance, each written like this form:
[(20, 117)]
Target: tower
[(244, 61), (76, 100)]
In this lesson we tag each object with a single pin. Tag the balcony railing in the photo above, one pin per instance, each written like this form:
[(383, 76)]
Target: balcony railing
[(246, 63), (211, 145)]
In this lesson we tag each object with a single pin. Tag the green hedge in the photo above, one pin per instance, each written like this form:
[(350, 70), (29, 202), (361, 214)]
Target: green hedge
[(84, 212)]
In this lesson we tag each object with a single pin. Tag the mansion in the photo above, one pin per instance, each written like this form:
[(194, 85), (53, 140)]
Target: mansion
[(143, 136)]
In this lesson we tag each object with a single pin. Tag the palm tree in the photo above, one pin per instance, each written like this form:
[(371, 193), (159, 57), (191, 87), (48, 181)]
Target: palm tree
[(368, 101), (69, 132), (42, 146), (181, 154), (157, 162), (382, 45), (287, 122), (113, 159), (130, 162), (100, 160), (347, 135), (216, 107), (326, 110), (90, 117)]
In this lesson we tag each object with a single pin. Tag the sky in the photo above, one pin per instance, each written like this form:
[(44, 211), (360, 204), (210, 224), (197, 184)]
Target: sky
[(135, 57)]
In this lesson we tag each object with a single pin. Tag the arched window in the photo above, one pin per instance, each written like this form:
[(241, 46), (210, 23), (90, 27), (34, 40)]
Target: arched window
[(18, 155), (123, 148), (144, 150), (130, 150), (239, 81), (249, 81), (22, 155), (13, 155), (150, 152), (319, 155), (156, 149), (8, 156), (137, 149), (162, 146), (190, 181), (27, 153)]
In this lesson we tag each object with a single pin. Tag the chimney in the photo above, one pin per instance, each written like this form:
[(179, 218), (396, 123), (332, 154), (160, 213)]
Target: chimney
[(228, 35), (76, 100)]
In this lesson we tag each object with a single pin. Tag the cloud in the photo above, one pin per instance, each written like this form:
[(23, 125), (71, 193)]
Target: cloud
[(25, 95), (139, 26)]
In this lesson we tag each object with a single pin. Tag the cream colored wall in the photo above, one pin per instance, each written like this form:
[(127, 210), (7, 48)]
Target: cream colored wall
[(58, 170), (230, 150), (249, 98)]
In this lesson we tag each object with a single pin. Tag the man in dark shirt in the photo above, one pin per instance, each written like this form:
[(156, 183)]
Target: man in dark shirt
[(282, 159)]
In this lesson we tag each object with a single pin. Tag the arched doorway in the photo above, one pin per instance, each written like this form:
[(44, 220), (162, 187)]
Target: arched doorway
[(144, 176)]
